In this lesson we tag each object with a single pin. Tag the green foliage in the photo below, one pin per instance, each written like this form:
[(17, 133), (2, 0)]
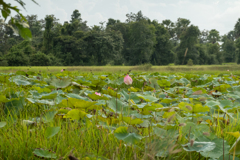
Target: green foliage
[(142, 39), (39, 59), (136, 41), (17, 58), (48, 35), (190, 62), (168, 115), (51, 131), (2, 124), (186, 49), (44, 153)]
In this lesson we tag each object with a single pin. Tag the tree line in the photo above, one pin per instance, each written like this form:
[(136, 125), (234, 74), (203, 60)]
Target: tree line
[(136, 41)]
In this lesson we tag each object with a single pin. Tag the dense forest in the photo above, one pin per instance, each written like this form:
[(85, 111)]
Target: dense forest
[(136, 41)]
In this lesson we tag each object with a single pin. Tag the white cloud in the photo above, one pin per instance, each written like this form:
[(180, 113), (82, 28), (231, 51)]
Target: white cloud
[(215, 14)]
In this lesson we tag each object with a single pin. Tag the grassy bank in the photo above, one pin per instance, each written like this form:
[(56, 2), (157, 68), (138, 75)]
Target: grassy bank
[(199, 69)]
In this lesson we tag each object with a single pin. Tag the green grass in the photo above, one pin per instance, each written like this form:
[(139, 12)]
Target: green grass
[(198, 69)]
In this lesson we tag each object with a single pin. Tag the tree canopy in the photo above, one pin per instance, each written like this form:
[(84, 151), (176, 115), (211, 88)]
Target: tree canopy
[(27, 40)]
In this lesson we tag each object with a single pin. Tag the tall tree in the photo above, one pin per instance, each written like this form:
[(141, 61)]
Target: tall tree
[(213, 36), (237, 28), (162, 54), (228, 47), (48, 35), (142, 40), (76, 16), (181, 26), (187, 49)]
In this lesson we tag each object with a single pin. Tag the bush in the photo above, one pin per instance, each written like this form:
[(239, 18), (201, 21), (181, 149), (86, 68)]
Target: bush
[(3, 63), (54, 61), (110, 63), (145, 67), (39, 59), (190, 62), (17, 58)]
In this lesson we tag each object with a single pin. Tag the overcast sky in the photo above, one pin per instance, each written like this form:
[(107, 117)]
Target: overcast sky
[(206, 14)]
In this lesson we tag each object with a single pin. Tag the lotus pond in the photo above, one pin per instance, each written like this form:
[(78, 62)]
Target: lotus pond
[(76, 115)]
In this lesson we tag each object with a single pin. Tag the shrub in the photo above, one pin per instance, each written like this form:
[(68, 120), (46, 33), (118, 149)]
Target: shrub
[(110, 63), (39, 59), (145, 67), (3, 63), (17, 58), (190, 62)]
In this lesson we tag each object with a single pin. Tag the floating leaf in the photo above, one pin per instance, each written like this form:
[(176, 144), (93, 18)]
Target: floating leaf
[(117, 105), (51, 131), (199, 146), (148, 98), (3, 99), (75, 114), (44, 153), (235, 147), (122, 134), (2, 124), (132, 121), (235, 134), (217, 152), (164, 83), (93, 96), (61, 83)]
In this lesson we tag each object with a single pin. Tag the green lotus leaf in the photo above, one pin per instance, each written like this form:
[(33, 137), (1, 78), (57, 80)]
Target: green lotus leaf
[(148, 98), (3, 99), (168, 114), (235, 147), (217, 152), (131, 121), (117, 105), (81, 103), (93, 96), (51, 95), (49, 116), (164, 83), (43, 101), (227, 157), (193, 108), (199, 146), (78, 103), (121, 133), (44, 153), (111, 93), (14, 105), (51, 131), (2, 124), (73, 95), (75, 114), (132, 96), (167, 100), (98, 82), (61, 83), (226, 103), (22, 82)]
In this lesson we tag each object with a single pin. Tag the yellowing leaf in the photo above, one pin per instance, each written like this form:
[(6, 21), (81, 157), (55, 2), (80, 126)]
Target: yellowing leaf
[(168, 114), (235, 134), (132, 121), (209, 122), (75, 114)]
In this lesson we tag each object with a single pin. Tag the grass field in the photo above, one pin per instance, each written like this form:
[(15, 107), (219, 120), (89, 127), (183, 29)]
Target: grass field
[(199, 69)]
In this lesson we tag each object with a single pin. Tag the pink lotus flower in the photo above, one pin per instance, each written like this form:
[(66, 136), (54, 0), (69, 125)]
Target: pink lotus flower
[(127, 80), (99, 94), (228, 70), (62, 70)]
